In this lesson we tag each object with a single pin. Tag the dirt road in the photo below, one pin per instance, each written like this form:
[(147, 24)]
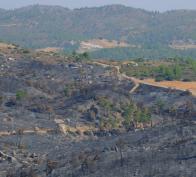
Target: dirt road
[(178, 85)]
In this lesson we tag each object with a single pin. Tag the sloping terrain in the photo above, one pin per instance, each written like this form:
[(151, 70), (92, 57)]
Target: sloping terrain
[(178, 85), (54, 26), (97, 44), (191, 86), (63, 118), (65, 24)]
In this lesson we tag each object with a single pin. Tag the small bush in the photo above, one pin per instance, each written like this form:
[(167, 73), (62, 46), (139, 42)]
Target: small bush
[(21, 94)]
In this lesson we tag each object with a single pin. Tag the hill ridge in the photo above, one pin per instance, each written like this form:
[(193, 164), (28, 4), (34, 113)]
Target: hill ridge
[(40, 26)]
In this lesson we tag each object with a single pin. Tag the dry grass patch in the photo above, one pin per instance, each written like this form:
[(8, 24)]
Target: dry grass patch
[(191, 86), (49, 49)]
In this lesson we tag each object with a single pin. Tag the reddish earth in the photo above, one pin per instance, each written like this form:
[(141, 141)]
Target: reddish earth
[(179, 85), (49, 49), (191, 86)]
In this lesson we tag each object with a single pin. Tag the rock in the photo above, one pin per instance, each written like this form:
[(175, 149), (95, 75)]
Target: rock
[(59, 121), (33, 155), (2, 154), (13, 153), (11, 159)]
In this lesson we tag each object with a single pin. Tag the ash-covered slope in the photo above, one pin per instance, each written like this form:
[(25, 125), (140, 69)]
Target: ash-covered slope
[(60, 117)]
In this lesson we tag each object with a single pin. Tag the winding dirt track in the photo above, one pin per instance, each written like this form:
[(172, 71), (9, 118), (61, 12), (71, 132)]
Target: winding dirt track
[(137, 82), (150, 82)]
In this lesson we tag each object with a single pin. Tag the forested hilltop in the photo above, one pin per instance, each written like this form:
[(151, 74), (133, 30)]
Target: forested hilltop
[(148, 34)]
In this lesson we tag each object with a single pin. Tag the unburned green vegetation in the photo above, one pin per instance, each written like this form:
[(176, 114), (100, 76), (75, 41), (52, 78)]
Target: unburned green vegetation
[(124, 115), (168, 69)]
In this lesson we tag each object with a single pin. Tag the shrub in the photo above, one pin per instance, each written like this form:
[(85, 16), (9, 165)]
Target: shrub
[(21, 94)]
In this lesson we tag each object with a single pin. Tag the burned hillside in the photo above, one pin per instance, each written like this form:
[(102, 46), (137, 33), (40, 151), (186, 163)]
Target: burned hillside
[(68, 118)]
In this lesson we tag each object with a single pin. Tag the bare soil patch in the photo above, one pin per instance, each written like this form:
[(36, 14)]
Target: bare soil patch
[(191, 86)]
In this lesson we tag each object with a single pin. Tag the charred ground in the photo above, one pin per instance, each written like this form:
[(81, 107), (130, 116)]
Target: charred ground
[(60, 117)]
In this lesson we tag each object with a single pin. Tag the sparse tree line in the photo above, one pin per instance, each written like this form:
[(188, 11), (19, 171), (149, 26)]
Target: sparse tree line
[(78, 57), (168, 69), (129, 116)]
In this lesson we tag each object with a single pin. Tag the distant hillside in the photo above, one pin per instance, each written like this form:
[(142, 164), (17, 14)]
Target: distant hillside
[(53, 26)]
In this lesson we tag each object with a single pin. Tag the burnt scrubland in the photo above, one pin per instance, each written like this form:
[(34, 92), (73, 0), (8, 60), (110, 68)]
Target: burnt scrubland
[(69, 116)]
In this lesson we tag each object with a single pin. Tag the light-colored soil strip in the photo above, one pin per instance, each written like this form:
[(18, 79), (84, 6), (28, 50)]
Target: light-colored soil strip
[(178, 85)]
